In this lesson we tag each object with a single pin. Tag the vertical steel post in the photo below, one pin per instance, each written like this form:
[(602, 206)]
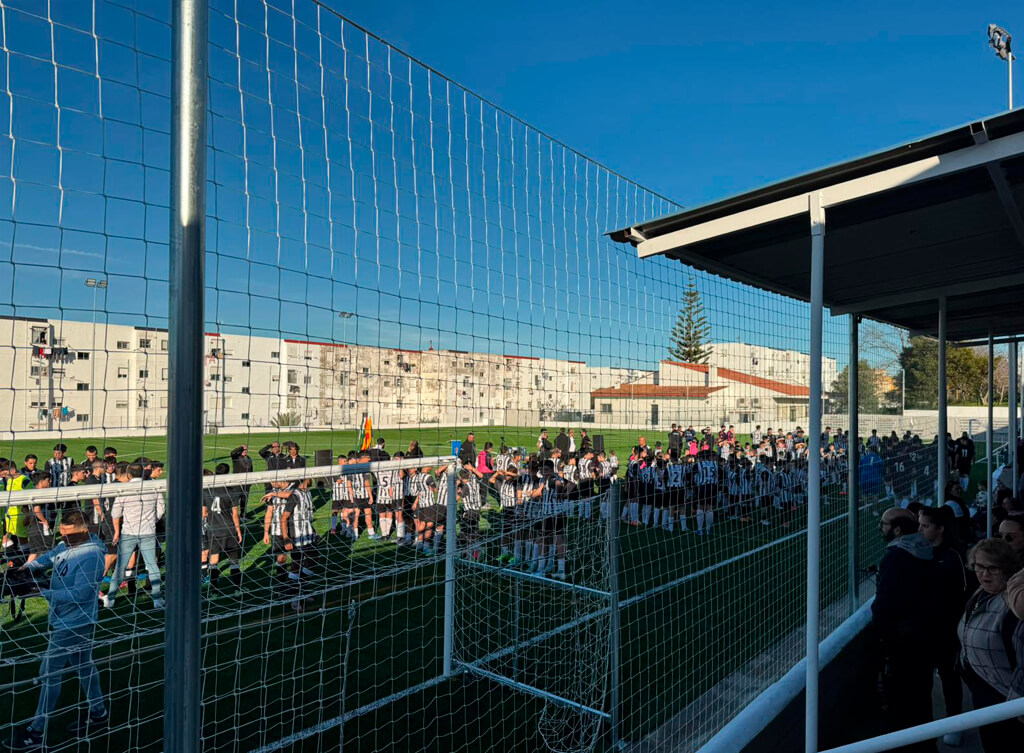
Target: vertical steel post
[(50, 398), (942, 449), (1011, 434), (989, 441), (182, 688), (853, 454), (615, 679), (92, 365), (449, 572), (817, 214)]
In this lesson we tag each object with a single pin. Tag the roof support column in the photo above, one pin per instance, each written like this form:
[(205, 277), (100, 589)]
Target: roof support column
[(1011, 435), (989, 441), (853, 454), (817, 213), (943, 448)]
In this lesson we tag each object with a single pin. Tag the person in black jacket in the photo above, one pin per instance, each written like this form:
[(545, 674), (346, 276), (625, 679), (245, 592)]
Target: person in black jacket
[(242, 463), (414, 450), (562, 443), (938, 526), (293, 459), (467, 453), (903, 617), (271, 453)]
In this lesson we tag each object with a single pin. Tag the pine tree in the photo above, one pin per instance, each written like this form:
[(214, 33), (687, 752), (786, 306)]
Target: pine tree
[(689, 340)]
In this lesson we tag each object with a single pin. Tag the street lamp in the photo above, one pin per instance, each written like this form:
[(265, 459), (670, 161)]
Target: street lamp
[(95, 285), (999, 40)]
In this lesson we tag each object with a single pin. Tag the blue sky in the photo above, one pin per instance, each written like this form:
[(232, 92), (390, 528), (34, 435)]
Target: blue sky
[(350, 178), (701, 100)]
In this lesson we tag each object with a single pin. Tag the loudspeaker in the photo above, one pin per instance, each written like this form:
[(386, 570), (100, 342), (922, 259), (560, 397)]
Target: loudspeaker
[(598, 443), (322, 457)]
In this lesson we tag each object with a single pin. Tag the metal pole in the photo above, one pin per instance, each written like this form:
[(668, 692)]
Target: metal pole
[(1011, 434), (223, 384), (817, 213), (49, 382), (942, 449), (989, 441), (1009, 68), (182, 688), (449, 573), (613, 612), (853, 456), (92, 366)]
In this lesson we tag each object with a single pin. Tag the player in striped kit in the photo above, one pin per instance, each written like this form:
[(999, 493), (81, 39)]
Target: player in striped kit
[(554, 507), (674, 472), (705, 481), (587, 472), (288, 528), (472, 493), (389, 499), (362, 495), (59, 466), (764, 489), (660, 500), (342, 509), (505, 479), (430, 513)]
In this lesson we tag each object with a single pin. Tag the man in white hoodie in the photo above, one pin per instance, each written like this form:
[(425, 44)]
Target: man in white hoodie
[(78, 564)]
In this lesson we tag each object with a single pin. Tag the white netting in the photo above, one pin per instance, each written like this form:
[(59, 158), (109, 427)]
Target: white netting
[(391, 257)]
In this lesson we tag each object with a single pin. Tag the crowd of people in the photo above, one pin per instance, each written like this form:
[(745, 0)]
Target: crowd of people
[(97, 547)]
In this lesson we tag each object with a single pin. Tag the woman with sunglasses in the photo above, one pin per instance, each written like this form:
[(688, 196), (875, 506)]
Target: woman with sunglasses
[(992, 640)]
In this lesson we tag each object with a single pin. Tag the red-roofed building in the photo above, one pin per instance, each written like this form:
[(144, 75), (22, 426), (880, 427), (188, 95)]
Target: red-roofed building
[(701, 395)]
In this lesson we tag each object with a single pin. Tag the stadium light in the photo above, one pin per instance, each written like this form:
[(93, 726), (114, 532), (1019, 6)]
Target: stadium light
[(999, 40), (95, 285)]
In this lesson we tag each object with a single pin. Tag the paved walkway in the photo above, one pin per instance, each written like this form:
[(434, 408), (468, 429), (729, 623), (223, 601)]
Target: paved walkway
[(971, 742)]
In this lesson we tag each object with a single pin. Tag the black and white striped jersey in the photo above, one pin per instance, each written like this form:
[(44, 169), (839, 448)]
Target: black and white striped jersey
[(389, 485), (472, 492), (706, 473), (359, 485), (341, 489), (59, 470)]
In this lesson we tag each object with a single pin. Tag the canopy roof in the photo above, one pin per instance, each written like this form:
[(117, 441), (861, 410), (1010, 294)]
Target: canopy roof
[(939, 217)]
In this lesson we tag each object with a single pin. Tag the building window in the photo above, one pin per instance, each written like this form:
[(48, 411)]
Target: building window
[(246, 364), (163, 374), (82, 356), (307, 380), (366, 369), (351, 405), (143, 402), (121, 405), (163, 402), (163, 345), (245, 390), (275, 354), (293, 377), (38, 371), (145, 342), (214, 377), (123, 345), (82, 418), (82, 386), (143, 373), (366, 392), (387, 363), (275, 378), (245, 416), (39, 335), (387, 382), (606, 407), (398, 403)]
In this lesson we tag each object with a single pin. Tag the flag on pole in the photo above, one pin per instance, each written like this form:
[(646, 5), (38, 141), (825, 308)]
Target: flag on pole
[(367, 434)]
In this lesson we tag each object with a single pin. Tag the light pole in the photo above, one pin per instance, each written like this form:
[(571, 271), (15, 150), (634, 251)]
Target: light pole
[(345, 316), (999, 40), (95, 285)]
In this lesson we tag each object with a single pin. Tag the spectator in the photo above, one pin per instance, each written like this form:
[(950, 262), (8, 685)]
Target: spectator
[(903, 619), (585, 442), (871, 471), (572, 444), (939, 527), (135, 513), (562, 443), (992, 659), (78, 568), (31, 461), (294, 460), (1011, 530), (468, 452), (955, 502), (240, 460), (378, 453), (414, 450), (964, 459), (544, 446)]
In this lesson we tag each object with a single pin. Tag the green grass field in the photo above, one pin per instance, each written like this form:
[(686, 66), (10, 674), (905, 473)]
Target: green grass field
[(377, 630)]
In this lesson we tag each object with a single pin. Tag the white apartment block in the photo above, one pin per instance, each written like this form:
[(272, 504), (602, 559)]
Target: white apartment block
[(64, 375)]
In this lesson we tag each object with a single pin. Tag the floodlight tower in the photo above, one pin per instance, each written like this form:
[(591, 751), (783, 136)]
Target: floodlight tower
[(999, 40)]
